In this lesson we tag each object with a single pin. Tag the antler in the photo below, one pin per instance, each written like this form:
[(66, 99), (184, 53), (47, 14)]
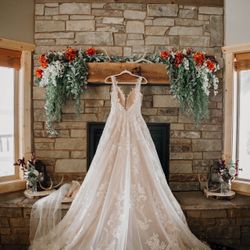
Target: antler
[(51, 184)]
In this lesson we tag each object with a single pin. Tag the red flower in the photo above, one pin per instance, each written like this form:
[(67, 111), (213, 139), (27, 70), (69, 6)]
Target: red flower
[(39, 73), (70, 54), (43, 60), (199, 58), (164, 54), (178, 58), (90, 51), (189, 51), (210, 65)]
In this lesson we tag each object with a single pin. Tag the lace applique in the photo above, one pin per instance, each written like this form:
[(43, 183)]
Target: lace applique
[(138, 200), (155, 244)]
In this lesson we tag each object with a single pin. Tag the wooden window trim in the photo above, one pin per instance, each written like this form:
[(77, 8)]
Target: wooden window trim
[(240, 186), (24, 109)]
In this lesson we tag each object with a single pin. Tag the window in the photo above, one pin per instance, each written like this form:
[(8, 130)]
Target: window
[(9, 123), (15, 111), (236, 113), (241, 140)]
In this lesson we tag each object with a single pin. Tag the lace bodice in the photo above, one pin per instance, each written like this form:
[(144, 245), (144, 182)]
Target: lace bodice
[(130, 103)]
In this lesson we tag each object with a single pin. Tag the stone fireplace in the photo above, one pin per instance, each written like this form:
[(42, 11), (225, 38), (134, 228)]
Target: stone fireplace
[(129, 28), (159, 133)]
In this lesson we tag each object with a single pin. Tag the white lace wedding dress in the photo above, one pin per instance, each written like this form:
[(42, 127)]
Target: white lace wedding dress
[(124, 202)]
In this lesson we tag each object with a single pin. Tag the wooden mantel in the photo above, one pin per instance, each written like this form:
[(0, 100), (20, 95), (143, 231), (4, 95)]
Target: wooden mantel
[(155, 73)]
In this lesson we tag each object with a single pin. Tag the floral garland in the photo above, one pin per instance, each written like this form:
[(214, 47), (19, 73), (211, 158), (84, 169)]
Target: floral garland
[(64, 76)]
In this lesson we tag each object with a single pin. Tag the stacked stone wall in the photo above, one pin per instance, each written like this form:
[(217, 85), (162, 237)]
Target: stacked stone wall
[(129, 29)]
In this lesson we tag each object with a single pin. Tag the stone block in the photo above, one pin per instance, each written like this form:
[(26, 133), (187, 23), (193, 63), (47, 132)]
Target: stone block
[(135, 37), (113, 20), (185, 31), (180, 167), (51, 11), (189, 22), (164, 101), (156, 40), (210, 10), (10, 212), (181, 156), (162, 9), (70, 166), (70, 143), (206, 145), (211, 155), (184, 186), (38, 93), (143, 49), (19, 222), (149, 111), (39, 115), (165, 119), (168, 111), (199, 41), (163, 21), (75, 8), (54, 35), (45, 42), (135, 42), (148, 22), (39, 9), (216, 30), (106, 12), (78, 154), (99, 93), (49, 26), (133, 14), (94, 103), (186, 134), (120, 39), (71, 125), (188, 13), (51, 5), (211, 135), (81, 17), (91, 110), (156, 30), (52, 154), (94, 38), (4, 222), (80, 133), (44, 145), (135, 27), (83, 25), (64, 42)]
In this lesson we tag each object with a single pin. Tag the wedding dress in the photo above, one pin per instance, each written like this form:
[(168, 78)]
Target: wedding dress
[(124, 202)]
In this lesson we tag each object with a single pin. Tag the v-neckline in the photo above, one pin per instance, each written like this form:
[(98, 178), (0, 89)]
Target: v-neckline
[(126, 97)]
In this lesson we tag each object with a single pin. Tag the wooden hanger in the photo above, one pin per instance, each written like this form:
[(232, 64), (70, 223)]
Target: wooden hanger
[(108, 80)]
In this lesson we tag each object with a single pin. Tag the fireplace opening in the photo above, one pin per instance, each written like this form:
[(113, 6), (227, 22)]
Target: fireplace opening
[(159, 133)]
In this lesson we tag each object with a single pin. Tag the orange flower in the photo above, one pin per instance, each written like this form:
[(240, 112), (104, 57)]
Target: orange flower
[(39, 73), (178, 58), (210, 65), (70, 54), (199, 58), (43, 61), (90, 51), (164, 54)]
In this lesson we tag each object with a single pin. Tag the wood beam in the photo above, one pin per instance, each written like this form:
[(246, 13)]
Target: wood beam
[(155, 73)]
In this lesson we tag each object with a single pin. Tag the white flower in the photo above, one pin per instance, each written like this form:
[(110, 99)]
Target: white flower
[(54, 71), (186, 63)]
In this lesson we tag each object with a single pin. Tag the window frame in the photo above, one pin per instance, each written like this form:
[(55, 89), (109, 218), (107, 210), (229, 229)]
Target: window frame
[(16, 129), (23, 108), (239, 185)]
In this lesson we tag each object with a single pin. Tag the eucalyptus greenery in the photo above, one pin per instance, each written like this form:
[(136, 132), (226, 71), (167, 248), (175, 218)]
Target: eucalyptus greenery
[(64, 76)]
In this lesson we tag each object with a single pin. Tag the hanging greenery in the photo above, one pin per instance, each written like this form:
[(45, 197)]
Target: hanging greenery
[(64, 76)]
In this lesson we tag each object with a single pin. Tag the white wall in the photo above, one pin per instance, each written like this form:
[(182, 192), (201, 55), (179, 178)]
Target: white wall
[(237, 21), (17, 20)]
